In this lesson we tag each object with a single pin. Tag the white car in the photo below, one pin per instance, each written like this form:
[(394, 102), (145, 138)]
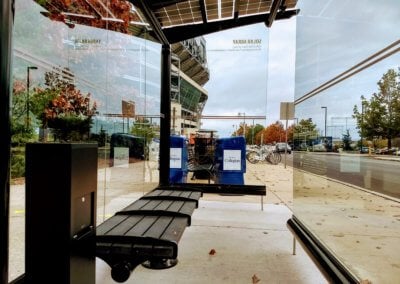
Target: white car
[(280, 147)]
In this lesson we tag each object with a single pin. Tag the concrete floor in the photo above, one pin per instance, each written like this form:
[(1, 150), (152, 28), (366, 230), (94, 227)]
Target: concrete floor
[(251, 246)]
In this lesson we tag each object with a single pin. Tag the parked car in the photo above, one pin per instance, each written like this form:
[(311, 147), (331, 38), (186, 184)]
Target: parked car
[(381, 151), (319, 148), (280, 147)]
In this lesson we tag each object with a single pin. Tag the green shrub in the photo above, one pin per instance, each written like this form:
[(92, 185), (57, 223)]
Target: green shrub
[(17, 164)]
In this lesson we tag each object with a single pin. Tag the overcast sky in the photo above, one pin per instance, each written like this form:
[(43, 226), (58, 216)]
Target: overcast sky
[(242, 81)]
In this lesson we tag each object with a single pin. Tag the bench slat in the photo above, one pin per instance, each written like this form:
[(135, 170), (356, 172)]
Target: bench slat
[(159, 227), (141, 228), (174, 195), (110, 224), (124, 227), (165, 205), (161, 208), (175, 230)]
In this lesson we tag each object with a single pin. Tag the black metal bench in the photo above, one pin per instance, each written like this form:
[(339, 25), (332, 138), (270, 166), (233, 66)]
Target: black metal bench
[(146, 232), (225, 189)]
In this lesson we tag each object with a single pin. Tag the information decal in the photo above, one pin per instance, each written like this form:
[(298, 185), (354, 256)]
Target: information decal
[(121, 157), (232, 160), (175, 159)]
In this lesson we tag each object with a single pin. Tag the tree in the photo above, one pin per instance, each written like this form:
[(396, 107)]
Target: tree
[(303, 132), (69, 114), (61, 107), (274, 133), (346, 140), (55, 81), (290, 132), (380, 116), (252, 134), (19, 131)]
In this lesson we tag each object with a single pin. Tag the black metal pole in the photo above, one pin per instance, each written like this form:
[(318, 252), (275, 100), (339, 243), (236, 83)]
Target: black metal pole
[(165, 110), (27, 97), (6, 23)]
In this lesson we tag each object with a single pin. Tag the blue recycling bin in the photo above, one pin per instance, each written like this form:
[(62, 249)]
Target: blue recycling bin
[(230, 160), (178, 163)]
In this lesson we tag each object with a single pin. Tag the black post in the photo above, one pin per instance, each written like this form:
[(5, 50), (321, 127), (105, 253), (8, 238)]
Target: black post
[(6, 24), (165, 110)]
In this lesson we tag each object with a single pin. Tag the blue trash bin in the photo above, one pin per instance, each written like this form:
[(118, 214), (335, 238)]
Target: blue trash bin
[(230, 160), (178, 162)]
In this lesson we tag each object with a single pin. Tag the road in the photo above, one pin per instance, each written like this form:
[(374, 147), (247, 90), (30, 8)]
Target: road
[(382, 176)]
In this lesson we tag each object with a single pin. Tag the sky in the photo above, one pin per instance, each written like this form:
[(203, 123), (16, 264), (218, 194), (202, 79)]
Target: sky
[(251, 72)]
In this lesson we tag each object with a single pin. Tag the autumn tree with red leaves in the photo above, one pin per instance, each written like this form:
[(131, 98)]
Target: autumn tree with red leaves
[(69, 114), (274, 133), (62, 107)]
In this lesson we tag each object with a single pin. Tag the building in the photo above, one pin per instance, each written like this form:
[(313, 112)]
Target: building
[(189, 73)]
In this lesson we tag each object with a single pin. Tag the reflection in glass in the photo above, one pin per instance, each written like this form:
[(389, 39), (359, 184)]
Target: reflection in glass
[(84, 78), (345, 191)]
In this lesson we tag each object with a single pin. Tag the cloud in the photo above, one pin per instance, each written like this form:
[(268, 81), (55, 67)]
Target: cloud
[(241, 61)]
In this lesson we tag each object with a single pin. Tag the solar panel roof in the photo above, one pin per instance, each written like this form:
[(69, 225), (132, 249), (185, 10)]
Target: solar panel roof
[(168, 21)]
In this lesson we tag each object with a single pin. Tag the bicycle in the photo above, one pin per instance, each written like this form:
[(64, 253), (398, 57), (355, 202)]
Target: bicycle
[(263, 153)]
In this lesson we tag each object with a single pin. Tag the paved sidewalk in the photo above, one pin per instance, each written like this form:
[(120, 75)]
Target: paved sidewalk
[(251, 246)]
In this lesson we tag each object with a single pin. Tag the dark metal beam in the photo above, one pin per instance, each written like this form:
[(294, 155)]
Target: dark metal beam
[(203, 11), (6, 24), (273, 12), (151, 18), (236, 11), (165, 114), (180, 33)]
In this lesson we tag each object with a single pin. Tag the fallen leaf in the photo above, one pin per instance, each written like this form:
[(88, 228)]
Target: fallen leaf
[(212, 252), (255, 279)]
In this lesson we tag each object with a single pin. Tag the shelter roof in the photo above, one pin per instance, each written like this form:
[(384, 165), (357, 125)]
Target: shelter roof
[(168, 21)]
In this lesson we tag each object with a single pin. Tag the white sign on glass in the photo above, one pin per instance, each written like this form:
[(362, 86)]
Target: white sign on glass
[(121, 157)]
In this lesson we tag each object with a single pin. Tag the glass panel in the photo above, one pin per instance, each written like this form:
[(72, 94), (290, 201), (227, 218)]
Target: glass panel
[(77, 83), (236, 105), (345, 190)]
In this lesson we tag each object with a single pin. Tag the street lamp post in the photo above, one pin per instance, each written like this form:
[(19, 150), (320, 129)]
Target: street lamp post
[(326, 110), (27, 94), (252, 134)]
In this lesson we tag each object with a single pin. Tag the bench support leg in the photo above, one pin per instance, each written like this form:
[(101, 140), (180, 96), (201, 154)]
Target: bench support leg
[(262, 203), (294, 246), (160, 263)]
